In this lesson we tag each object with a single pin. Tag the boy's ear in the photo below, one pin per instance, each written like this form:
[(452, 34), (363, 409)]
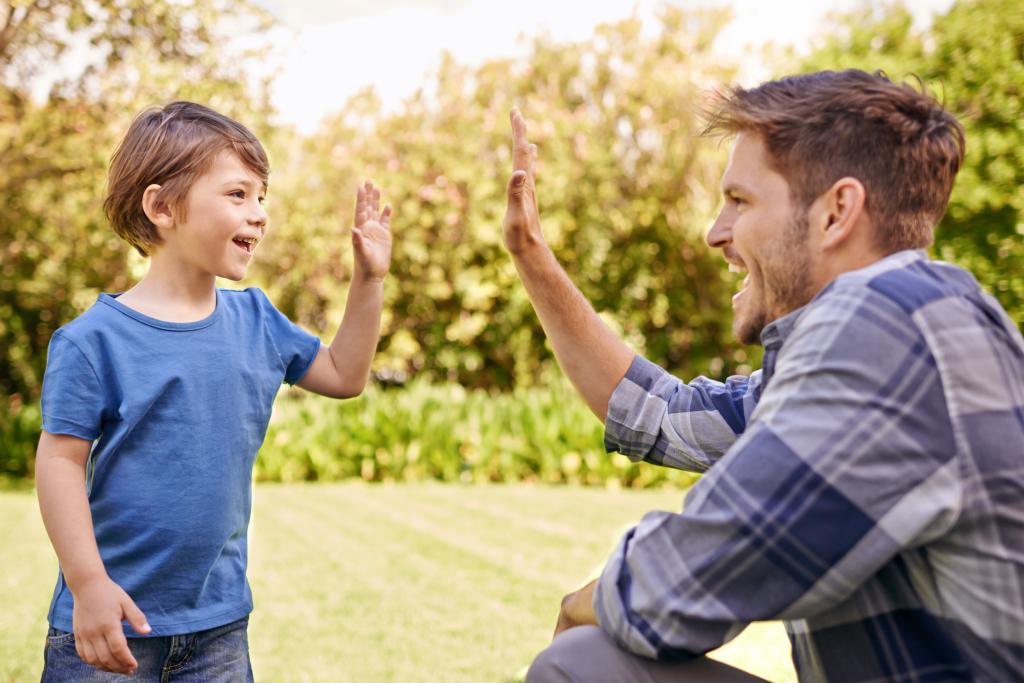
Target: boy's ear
[(156, 209)]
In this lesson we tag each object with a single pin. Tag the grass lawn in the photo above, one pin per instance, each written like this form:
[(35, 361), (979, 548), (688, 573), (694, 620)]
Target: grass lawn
[(423, 582)]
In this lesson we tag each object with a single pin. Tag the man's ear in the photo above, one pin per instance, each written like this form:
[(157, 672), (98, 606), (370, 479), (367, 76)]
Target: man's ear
[(841, 211), (156, 209)]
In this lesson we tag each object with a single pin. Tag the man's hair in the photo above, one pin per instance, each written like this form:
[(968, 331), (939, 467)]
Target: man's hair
[(895, 139), (171, 147)]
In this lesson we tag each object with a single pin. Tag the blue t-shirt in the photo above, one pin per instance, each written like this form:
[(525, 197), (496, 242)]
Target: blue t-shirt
[(177, 412)]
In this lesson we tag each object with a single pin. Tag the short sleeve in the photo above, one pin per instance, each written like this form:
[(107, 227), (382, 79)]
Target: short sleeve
[(296, 347), (73, 398)]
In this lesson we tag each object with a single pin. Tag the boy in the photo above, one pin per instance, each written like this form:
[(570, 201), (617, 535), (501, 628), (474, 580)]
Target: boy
[(155, 402)]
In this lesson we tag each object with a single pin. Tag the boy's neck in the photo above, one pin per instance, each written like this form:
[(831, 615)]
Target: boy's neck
[(172, 292)]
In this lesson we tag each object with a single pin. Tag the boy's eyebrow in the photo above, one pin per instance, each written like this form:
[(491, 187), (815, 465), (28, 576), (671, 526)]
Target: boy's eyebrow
[(246, 182)]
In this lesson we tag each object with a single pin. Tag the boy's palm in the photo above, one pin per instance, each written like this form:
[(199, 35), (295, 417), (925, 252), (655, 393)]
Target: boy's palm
[(371, 236)]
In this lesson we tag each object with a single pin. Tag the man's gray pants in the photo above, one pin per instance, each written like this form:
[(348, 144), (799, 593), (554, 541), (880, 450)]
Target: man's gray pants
[(586, 654)]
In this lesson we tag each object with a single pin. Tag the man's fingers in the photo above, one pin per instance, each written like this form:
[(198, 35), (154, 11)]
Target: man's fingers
[(520, 144), (517, 186)]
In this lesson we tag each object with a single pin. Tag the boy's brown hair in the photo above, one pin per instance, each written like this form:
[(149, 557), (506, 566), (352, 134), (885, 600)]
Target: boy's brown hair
[(171, 147), (896, 140)]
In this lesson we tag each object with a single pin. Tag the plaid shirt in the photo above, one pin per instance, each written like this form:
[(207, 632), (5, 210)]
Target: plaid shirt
[(866, 486)]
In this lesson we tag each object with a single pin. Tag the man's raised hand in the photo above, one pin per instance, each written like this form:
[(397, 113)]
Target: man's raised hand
[(371, 236), (522, 222)]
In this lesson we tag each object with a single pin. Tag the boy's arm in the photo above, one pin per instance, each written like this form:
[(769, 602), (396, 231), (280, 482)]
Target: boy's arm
[(100, 604), (341, 370)]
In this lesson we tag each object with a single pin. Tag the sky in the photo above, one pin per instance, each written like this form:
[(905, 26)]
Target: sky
[(325, 52)]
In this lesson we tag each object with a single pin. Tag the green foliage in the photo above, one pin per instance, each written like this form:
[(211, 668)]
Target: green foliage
[(973, 59), (447, 433), (19, 433), (626, 191), (56, 250)]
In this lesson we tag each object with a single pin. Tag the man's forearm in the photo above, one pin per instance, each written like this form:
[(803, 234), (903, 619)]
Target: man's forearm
[(356, 340), (592, 356)]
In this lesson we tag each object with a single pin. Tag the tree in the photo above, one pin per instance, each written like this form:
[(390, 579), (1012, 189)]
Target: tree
[(973, 58), (626, 186), (56, 250)]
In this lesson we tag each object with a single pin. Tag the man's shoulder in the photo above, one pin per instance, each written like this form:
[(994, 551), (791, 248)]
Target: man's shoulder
[(907, 279)]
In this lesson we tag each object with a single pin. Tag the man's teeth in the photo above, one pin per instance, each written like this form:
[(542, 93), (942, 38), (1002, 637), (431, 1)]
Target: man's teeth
[(736, 268)]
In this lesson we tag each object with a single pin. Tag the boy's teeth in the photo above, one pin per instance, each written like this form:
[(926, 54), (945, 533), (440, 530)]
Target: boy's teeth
[(734, 268)]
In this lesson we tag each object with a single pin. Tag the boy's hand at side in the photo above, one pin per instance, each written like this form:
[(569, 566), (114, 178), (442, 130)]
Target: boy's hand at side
[(371, 236), (100, 607)]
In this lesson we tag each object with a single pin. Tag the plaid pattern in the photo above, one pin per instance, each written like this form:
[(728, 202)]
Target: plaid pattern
[(872, 497)]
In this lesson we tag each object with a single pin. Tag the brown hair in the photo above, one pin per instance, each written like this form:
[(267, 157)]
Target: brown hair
[(171, 147), (895, 139)]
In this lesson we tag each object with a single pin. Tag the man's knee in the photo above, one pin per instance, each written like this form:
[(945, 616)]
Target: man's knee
[(558, 663)]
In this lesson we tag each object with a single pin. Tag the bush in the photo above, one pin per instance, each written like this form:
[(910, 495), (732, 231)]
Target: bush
[(419, 432), (447, 433), (19, 433)]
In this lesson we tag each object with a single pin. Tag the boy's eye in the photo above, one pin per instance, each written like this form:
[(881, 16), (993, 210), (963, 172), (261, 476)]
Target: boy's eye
[(262, 199), (237, 193)]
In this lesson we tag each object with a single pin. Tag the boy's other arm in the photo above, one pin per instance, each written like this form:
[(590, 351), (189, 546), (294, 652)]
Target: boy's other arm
[(100, 604), (341, 370), (593, 357)]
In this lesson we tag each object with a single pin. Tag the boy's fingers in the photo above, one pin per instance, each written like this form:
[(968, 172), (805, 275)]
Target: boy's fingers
[(385, 217), (136, 619), (85, 650), (103, 657), (118, 646)]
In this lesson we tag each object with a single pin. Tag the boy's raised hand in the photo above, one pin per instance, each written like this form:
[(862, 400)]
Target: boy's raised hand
[(100, 607), (371, 236)]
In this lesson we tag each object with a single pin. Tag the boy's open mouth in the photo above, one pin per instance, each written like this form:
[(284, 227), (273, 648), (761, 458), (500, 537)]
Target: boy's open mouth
[(245, 243)]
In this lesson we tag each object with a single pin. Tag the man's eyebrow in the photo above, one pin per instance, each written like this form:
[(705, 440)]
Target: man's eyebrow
[(732, 188)]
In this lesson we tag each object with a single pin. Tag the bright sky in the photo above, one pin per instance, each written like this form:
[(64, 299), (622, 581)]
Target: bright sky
[(326, 51)]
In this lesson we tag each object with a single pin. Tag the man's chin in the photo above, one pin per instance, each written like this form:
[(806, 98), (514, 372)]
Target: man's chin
[(747, 328)]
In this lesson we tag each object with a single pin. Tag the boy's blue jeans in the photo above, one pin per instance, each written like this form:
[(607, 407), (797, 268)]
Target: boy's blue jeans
[(220, 655)]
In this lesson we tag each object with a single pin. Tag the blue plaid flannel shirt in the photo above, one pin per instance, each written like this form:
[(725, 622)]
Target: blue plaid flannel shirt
[(866, 486)]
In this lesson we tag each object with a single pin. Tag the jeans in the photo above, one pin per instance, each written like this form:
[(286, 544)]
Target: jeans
[(219, 655)]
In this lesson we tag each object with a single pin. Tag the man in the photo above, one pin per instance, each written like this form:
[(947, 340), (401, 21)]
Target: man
[(866, 484)]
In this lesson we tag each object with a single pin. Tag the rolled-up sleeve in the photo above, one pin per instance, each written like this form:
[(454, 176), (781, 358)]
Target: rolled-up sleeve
[(656, 417)]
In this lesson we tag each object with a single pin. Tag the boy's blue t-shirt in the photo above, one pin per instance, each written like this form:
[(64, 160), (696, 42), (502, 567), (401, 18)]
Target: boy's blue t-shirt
[(177, 412)]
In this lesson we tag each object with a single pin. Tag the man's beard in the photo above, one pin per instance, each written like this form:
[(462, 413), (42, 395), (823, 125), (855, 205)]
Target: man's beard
[(785, 281)]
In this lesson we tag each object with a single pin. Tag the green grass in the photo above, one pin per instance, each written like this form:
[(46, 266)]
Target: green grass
[(410, 582)]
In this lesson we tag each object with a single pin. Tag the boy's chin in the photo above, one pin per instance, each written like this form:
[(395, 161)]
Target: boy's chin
[(234, 276)]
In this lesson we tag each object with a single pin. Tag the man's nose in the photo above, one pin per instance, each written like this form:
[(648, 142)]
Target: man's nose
[(720, 233)]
